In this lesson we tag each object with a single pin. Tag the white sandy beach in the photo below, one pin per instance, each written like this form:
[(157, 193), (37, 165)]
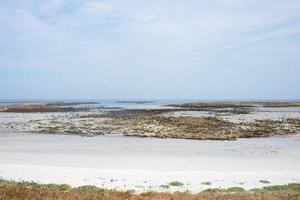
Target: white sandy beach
[(144, 164)]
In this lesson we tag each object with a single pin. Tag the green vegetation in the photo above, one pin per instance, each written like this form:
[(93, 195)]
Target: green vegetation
[(176, 183), (292, 187), (165, 186), (89, 188), (228, 190), (206, 183), (235, 189), (265, 181)]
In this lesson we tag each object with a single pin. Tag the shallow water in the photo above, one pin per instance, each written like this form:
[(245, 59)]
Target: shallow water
[(121, 103)]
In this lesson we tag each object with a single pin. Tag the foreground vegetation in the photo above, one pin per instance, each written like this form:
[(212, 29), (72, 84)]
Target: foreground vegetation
[(31, 190)]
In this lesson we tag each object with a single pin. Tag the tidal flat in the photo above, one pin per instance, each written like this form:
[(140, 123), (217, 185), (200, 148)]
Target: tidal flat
[(172, 147), (216, 121)]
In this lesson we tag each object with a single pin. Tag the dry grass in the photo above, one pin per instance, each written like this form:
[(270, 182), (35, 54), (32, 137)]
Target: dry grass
[(28, 190)]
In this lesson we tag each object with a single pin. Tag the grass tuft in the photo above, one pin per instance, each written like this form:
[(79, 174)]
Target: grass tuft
[(176, 183), (165, 186), (206, 183), (265, 181)]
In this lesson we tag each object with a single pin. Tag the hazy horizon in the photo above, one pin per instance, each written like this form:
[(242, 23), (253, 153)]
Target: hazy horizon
[(155, 101), (101, 49)]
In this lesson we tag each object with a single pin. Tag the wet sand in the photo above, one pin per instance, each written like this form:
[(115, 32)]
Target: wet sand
[(144, 164)]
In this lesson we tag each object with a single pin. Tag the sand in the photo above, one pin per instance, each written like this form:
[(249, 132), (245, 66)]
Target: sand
[(144, 164)]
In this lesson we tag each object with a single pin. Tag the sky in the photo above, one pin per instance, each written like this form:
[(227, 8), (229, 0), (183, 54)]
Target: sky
[(158, 49)]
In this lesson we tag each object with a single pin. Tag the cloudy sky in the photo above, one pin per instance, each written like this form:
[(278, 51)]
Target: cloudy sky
[(187, 49)]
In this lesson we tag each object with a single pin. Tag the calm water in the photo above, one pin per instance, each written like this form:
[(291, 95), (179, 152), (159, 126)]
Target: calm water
[(116, 102)]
